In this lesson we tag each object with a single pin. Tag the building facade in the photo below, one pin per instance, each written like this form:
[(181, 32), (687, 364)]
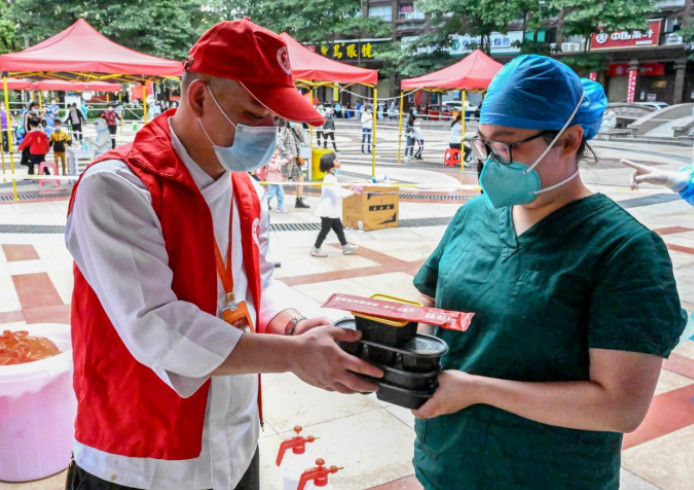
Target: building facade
[(642, 66)]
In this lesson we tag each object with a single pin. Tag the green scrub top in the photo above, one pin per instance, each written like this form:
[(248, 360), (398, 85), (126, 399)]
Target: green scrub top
[(586, 276)]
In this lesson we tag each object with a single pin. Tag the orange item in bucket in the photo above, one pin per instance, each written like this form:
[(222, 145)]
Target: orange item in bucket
[(20, 347)]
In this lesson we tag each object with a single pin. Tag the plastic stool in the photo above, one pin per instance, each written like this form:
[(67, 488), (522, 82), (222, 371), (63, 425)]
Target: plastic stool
[(452, 157), (52, 166)]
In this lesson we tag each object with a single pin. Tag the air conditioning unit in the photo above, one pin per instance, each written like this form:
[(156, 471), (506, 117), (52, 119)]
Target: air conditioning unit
[(570, 47), (673, 38)]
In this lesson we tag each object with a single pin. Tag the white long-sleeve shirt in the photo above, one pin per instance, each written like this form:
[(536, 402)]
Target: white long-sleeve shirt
[(366, 120), (330, 204), (116, 240)]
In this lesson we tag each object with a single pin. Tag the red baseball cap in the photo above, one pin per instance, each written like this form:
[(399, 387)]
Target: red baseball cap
[(258, 59)]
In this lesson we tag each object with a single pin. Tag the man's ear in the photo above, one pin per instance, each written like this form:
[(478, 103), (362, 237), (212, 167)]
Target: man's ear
[(571, 139), (195, 95)]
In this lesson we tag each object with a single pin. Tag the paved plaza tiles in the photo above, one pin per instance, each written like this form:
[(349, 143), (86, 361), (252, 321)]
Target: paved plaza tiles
[(373, 440)]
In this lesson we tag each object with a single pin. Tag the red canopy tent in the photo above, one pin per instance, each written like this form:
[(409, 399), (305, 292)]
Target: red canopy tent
[(103, 86), (474, 72), (18, 84), (83, 51)]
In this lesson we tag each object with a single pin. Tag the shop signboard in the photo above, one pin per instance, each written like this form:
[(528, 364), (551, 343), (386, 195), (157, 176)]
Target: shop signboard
[(645, 69), (500, 43), (628, 39)]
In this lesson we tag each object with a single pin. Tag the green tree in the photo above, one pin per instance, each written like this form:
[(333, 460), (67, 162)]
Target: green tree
[(164, 28), (587, 17), (478, 18), (305, 20), (534, 14), (8, 29)]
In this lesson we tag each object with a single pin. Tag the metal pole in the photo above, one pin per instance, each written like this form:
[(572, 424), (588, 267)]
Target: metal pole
[(144, 101), (402, 98), (40, 101), (310, 141), (463, 95), (9, 141), (120, 104), (2, 151), (374, 113)]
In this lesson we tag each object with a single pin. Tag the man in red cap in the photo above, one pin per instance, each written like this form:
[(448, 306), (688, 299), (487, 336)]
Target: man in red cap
[(174, 310)]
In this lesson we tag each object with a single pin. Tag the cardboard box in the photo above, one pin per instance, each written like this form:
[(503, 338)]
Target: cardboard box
[(376, 208)]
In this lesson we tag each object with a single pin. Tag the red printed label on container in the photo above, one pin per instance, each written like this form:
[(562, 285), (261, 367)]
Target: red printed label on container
[(450, 320)]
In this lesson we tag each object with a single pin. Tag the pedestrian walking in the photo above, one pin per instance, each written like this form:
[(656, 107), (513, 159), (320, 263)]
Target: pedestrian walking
[(366, 127), (273, 173), (111, 117), (75, 119), (290, 139), (329, 128), (330, 207), (409, 135), (418, 137), (36, 143), (59, 138)]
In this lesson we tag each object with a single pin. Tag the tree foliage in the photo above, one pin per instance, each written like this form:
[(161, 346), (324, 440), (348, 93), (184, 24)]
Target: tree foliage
[(306, 20), (8, 32)]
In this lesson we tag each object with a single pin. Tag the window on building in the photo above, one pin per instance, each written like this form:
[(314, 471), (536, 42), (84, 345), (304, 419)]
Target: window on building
[(384, 12), (409, 11), (669, 3)]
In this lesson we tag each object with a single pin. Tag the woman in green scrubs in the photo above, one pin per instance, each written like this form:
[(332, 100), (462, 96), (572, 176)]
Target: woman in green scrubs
[(575, 303)]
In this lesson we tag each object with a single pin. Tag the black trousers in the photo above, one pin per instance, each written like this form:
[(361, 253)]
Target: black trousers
[(457, 146), (36, 160), (113, 130), (77, 129), (331, 135), (5, 141), (78, 479), (326, 224)]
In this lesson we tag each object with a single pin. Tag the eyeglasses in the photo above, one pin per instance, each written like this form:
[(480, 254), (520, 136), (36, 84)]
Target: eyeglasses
[(502, 151)]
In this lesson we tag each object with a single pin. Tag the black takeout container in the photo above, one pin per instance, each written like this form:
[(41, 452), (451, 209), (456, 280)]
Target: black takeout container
[(402, 397), (385, 331)]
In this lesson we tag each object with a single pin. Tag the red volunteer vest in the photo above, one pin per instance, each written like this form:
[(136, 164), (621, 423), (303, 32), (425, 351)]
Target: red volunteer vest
[(123, 407)]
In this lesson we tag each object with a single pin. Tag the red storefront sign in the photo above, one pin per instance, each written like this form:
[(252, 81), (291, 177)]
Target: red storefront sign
[(593, 76), (645, 69), (631, 86), (628, 39)]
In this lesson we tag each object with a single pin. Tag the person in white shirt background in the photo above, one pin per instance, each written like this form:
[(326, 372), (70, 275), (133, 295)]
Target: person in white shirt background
[(330, 207), (366, 127), (167, 387)]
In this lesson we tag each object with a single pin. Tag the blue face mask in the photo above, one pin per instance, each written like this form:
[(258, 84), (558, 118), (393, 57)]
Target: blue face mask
[(517, 183), (253, 145)]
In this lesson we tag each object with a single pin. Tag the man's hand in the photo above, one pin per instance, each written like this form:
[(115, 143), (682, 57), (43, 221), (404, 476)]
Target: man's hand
[(457, 390), (307, 324), (319, 361), (676, 181)]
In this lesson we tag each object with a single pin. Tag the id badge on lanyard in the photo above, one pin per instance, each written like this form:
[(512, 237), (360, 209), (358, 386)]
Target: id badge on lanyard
[(235, 313)]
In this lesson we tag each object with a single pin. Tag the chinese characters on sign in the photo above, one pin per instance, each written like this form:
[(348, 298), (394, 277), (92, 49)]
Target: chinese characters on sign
[(631, 86), (627, 39), (346, 50)]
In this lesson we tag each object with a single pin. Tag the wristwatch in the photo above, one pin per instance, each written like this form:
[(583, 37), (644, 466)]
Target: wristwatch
[(291, 325)]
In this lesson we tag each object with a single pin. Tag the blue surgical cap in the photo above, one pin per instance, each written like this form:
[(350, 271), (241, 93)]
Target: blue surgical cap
[(537, 92)]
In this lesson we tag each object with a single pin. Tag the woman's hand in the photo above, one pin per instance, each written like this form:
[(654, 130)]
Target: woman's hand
[(676, 181), (457, 390)]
